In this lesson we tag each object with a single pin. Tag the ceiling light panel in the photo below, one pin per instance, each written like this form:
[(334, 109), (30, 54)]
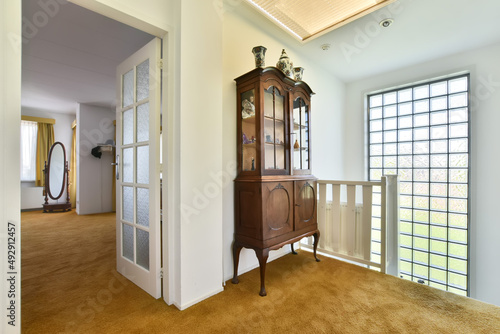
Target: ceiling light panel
[(306, 19)]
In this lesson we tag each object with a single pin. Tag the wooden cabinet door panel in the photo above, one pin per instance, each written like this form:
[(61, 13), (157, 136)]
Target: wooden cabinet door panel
[(277, 199), (248, 213), (305, 204)]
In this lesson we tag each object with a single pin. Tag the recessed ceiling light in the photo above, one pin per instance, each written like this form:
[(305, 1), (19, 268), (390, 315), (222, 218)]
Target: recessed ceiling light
[(325, 46), (386, 23)]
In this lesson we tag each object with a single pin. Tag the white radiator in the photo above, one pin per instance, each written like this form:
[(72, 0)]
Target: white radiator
[(31, 197)]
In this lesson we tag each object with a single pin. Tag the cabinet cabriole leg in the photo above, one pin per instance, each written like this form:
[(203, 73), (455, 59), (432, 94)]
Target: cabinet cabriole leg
[(262, 255), (316, 241), (236, 259), (293, 250)]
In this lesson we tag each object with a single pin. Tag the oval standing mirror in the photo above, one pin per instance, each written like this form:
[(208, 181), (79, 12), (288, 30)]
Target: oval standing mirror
[(56, 174), (56, 167)]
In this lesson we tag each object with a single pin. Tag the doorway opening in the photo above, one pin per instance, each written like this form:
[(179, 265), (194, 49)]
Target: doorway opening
[(70, 56)]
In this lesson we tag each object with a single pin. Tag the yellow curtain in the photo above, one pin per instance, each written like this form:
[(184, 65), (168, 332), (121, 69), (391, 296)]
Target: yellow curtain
[(45, 139), (72, 167)]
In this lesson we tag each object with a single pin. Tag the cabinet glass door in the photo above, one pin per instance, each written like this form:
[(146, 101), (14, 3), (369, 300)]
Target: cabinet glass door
[(301, 134), (249, 141), (274, 129)]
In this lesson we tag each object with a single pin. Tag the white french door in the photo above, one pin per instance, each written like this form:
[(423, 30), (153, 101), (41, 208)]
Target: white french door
[(138, 237)]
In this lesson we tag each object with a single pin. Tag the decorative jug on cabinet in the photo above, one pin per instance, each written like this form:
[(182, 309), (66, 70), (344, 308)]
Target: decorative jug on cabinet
[(284, 64)]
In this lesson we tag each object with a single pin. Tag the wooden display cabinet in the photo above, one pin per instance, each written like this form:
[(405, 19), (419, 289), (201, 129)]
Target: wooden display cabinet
[(275, 193)]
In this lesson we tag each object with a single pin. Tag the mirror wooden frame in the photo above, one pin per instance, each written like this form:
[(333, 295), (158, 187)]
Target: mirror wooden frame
[(50, 207)]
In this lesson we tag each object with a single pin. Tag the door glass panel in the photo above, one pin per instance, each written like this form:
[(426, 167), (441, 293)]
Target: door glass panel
[(301, 134), (280, 132), (128, 165), (128, 204), (249, 138), (128, 241), (128, 88), (280, 106), (280, 144), (128, 127), (143, 206), (268, 102), (143, 122), (143, 248), (143, 164), (269, 156), (280, 157), (143, 80), (268, 131), (274, 129)]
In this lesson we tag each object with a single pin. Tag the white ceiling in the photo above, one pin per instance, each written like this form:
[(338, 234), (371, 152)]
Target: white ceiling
[(423, 30), (73, 57)]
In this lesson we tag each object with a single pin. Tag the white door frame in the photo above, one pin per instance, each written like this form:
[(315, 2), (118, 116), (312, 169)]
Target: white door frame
[(168, 151)]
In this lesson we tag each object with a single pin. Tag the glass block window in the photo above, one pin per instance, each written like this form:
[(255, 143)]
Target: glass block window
[(422, 133)]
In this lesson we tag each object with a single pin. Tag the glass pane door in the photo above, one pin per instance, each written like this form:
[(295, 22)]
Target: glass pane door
[(274, 129), (249, 140), (301, 134), (138, 123)]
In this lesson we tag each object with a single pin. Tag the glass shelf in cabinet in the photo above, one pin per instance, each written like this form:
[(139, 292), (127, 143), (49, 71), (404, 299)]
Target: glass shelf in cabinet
[(297, 126), (270, 118)]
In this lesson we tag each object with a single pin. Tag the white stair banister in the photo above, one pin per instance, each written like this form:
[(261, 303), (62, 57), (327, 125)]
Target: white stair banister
[(392, 225), (346, 212)]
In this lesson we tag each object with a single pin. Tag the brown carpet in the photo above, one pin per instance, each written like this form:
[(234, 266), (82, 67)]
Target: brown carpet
[(69, 285)]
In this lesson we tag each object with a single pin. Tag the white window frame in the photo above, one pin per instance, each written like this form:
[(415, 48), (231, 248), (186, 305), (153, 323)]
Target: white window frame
[(28, 148)]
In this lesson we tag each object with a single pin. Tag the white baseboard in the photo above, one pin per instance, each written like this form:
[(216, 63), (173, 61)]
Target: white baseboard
[(197, 300)]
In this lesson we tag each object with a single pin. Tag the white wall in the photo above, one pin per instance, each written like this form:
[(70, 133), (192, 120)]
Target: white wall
[(94, 125), (243, 31), (31, 196), (485, 178), (10, 124), (200, 139)]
